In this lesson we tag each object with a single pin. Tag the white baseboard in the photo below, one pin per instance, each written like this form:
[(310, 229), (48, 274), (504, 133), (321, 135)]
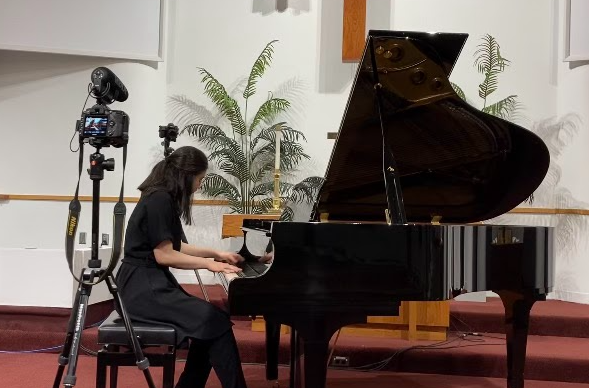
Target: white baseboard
[(569, 296), (473, 297)]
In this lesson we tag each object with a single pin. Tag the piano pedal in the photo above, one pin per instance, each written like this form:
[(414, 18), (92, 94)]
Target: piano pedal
[(276, 384)]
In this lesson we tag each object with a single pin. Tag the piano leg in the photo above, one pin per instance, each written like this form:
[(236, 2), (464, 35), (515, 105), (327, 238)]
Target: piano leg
[(517, 318), (309, 346), (295, 364), (272, 347), (308, 366)]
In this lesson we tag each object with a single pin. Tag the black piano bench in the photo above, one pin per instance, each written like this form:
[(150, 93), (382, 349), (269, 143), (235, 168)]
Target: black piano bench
[(117, 351)]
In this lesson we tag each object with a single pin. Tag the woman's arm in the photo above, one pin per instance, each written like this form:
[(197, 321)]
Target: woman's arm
[(199, 252), (228, 257), (166, 255)]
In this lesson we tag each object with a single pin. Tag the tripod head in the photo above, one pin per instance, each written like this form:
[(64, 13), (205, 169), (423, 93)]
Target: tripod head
[(98, 164)]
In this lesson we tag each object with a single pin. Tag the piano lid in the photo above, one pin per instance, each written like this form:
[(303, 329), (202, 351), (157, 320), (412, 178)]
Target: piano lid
[(453, 160)]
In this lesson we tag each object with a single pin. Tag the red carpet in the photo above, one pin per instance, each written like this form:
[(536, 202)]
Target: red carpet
[(558, 349), (38, 370)]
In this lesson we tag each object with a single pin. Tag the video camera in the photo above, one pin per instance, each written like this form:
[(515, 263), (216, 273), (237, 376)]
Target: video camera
[(168, 133), (100, 125), (109, 127)]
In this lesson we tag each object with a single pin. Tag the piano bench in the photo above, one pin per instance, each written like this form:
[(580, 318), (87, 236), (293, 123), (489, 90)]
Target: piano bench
[(117, 351)]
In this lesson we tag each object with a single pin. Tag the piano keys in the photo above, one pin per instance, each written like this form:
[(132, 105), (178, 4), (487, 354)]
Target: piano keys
[(257, 252), (413, 172)]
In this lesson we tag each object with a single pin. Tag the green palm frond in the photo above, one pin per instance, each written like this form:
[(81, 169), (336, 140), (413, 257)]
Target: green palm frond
[(215, 185), (259, 170), (287, 214), (458, 91), (306, 190), (291, 154), (286, 132), (233, 164), (213, 137), (183, 111), (506, 108), (262, 206), (267, 188), (264, 188), (268, 112), (258, 69), (225, 103), (490, 63)]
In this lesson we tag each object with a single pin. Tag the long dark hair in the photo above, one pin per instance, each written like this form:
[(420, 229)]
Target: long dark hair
[(175, 175)]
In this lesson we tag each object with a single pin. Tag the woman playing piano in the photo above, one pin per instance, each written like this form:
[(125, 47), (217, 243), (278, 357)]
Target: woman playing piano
[(153, 244)]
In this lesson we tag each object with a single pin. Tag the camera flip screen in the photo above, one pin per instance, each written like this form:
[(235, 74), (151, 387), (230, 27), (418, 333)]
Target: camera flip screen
[(95, 126)]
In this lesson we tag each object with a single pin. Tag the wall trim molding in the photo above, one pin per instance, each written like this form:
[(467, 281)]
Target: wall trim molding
[(221, 202), (88, 198)]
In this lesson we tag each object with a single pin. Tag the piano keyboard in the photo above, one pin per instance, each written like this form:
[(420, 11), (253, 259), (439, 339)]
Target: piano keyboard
[(250, 269)]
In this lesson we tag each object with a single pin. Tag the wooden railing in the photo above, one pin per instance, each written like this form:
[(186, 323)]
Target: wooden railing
[(88, 198), (221, 202)]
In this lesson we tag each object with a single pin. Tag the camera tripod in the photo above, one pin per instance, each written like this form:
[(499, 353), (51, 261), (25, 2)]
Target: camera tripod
[(69, 354)]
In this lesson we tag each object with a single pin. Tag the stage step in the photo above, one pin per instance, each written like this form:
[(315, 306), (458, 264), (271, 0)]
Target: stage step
[(550, 318)]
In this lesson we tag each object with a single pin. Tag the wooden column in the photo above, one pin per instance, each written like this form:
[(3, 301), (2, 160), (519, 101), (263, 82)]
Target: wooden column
[(354, 31)]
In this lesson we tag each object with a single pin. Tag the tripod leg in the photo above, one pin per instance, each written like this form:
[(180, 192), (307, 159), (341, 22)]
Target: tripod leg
[(79, 318), (142, 361), (63, 356)]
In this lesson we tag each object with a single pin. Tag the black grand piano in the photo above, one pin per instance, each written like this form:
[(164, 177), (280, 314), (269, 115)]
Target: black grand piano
[(413, 172)]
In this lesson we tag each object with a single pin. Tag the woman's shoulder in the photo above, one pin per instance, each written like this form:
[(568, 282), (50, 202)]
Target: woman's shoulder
[(157, 196)]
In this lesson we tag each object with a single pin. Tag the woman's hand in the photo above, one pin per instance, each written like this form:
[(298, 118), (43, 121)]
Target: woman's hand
[(267, 258), (229, 257), (216, 266)]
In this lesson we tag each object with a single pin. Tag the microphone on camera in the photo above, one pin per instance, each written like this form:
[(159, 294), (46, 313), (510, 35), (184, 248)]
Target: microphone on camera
[(107, 86)]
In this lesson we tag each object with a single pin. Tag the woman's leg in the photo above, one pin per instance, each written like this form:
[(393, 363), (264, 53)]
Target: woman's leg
[(197, 368), (224, 357)]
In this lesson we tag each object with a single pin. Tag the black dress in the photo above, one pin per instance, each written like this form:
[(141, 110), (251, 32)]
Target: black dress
[(150, 293)]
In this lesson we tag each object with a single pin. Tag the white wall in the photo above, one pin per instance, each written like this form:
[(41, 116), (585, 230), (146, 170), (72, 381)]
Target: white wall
[(522, 28), (41, 94)]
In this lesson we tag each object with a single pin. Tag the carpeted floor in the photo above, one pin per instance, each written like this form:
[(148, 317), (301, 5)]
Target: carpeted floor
[(558, 349), (38, 370)]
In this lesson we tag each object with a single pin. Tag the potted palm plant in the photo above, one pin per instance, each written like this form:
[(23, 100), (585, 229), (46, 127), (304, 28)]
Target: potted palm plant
[(491, 64), (243, 150)]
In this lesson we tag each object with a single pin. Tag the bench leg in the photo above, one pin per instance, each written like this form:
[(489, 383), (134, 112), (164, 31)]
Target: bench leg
[(169, 364), (114, 374), (100, 370)]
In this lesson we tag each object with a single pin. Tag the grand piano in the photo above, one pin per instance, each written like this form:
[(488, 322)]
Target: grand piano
[(413, 173)]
